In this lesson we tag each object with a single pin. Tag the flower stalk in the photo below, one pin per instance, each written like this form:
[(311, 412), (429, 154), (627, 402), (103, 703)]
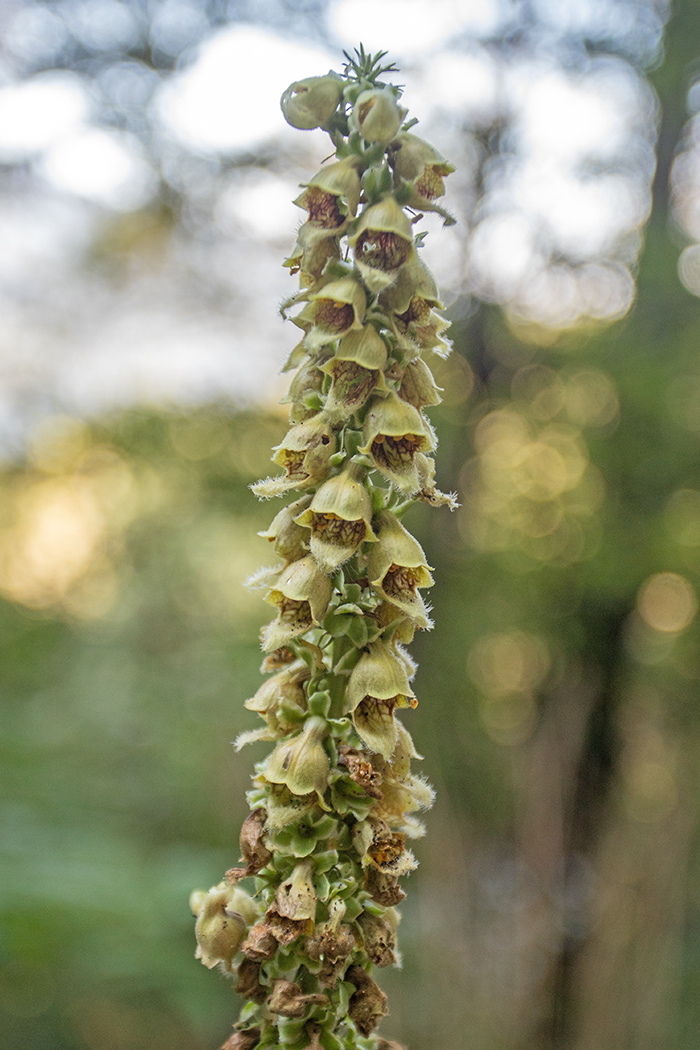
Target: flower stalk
[(334, 802)]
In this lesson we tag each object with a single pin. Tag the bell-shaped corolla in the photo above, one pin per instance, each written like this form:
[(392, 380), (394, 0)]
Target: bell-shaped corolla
[(356, 369), (377, 686), (290, 540), (281, 699), (332, 312), (394, 432), (310, 103), (382, 243), (419, 164), (418, 386), (411, 302), (339, 518), (312, 253), (304, 453), (331, 197), (301, 594), (301, 763), (397, 568)]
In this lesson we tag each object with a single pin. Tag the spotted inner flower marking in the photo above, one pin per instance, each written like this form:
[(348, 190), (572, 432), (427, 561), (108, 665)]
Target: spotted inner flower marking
[(430, 184), (323, 208), (418, 313), (382, 250), (352, 384), (336, 530), (293, 463), (400, 581), (333, 316), (293, 613), (395, 452)]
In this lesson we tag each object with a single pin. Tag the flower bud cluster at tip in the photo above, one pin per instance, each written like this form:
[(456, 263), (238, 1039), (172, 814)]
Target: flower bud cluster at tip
[(334, 803)]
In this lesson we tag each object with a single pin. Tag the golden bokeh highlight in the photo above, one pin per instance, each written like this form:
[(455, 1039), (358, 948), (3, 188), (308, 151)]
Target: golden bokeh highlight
[(667, 602), (509, 662), (531, 486)]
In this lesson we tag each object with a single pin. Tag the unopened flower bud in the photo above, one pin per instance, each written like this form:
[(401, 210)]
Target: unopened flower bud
[(301, 763), (382, 244), (394, 432), (339, 518), (311, 103), (376, 115)]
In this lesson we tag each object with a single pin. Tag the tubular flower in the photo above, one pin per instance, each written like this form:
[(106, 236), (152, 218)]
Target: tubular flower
[(411, 303), (333, 312), (382, 244), (356, 370), (331, 197), (418, 386), (397, 567), (394, 432), (305, 454), (301, 594), (335, 799), (305, 393), (377, 686), (281, 700), (312, 253), (339, 518), (423, 169), (290, 540)]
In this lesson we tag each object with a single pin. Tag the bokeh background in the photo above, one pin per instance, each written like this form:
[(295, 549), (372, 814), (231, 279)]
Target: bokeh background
[(146, 179)]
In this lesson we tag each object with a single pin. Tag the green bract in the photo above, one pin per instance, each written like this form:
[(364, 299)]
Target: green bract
[(334, 801)]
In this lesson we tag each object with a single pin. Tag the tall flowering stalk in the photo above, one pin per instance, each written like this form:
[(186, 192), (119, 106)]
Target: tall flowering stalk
[(331, 807)]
